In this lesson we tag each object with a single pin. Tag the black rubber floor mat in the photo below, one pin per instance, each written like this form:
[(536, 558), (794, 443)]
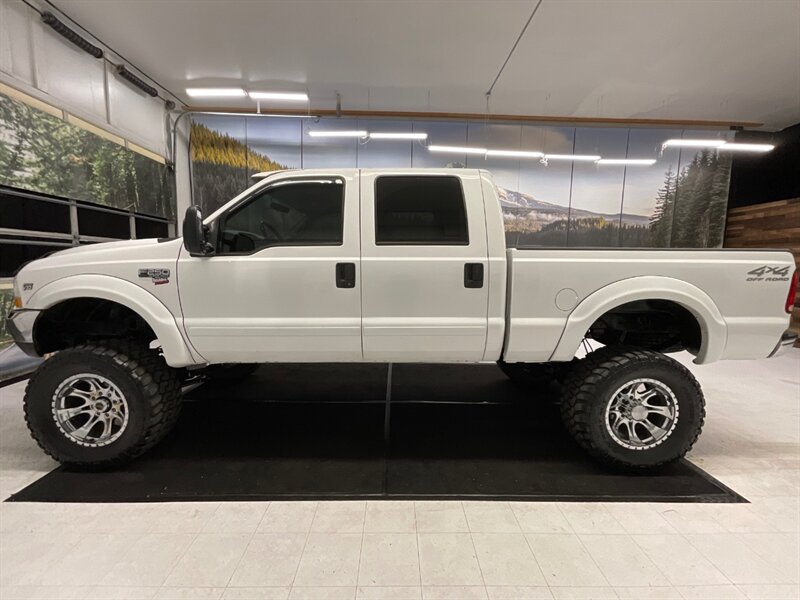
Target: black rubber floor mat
[(318, 432)]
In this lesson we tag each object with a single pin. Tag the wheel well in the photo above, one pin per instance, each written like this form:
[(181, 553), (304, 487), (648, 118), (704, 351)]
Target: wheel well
[(661, 325), (80, 320)]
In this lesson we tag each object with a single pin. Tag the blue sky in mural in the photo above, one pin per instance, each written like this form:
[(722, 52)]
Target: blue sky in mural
[(276, 138)]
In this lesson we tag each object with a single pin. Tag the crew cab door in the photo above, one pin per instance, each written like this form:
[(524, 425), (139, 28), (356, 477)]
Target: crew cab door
[(284, 283), (424, 267)]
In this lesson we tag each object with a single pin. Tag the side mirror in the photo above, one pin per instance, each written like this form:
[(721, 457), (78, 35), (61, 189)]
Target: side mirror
[(194, 233)]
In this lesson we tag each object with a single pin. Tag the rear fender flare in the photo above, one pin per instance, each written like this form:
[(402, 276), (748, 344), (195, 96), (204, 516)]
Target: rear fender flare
[(712, 325)]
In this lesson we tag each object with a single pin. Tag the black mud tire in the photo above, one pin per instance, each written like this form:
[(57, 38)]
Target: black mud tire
[(588, 389), (151, 388), (230, 372), (545, 381)]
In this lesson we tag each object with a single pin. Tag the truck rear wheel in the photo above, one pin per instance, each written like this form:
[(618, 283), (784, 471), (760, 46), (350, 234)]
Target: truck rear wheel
[(632, 408), (101, 404)]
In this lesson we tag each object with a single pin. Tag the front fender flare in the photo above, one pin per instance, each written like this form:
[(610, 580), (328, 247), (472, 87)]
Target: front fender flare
[(712, 326), (121, 291)]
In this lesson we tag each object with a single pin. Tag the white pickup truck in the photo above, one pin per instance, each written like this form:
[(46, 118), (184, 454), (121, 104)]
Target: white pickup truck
[(349, 265)]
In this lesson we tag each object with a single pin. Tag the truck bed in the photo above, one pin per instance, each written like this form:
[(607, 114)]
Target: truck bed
[(555, 295)]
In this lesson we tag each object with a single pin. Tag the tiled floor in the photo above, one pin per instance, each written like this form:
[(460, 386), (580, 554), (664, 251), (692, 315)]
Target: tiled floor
[(394, 550)]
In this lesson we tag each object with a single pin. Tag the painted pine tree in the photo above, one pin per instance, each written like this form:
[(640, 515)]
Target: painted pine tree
[(661, 221)]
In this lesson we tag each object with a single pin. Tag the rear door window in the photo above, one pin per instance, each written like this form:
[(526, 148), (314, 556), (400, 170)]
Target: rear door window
[(420, 210)]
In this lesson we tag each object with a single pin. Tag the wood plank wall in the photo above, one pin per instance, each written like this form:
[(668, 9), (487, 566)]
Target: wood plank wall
[(769, 225)]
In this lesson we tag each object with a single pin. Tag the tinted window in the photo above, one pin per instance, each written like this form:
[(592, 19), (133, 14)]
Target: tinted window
[(26, 212), (103, 224), (420, 210), (292, 214)]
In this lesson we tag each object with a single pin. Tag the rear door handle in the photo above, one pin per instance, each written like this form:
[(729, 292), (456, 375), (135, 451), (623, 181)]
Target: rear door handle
[(473, 275), (345, 275)]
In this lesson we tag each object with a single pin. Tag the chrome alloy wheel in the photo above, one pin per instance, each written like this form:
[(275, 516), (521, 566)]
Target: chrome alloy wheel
[(641, 414), (90, 410)]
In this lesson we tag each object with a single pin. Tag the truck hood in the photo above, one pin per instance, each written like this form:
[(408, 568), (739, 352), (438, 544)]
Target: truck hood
[(88, 249)]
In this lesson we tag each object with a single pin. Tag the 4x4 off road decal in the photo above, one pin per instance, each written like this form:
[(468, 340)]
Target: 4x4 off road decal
[(767, 273), (158, 276)]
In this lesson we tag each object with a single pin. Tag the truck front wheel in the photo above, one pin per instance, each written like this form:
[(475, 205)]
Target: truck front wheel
[(633, 408), (101, 404)]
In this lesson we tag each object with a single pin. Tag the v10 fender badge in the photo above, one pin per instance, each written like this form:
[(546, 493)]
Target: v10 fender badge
[(767, 273), (159, 276)]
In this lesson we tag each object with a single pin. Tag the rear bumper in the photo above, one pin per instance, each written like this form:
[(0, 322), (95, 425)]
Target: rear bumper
[(787, 341), (20, 326)]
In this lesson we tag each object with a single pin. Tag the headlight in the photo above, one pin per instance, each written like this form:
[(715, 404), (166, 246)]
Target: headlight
[(17, 294)]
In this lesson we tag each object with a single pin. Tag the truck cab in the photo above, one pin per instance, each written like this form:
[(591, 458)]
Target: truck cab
[(347, 266)]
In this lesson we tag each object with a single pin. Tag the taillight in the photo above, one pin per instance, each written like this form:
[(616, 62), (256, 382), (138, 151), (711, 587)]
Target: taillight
[(792, 293)]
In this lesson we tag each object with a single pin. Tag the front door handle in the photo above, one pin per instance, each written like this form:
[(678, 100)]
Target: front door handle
[(473, 275), (345, 275)]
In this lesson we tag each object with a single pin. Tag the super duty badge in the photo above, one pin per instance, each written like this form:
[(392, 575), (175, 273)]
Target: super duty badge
[(159, 276), (767, 273)]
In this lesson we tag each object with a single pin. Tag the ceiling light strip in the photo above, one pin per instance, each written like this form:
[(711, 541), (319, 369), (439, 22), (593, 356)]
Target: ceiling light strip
[(378, 135), (736, 147), (573, 157), (216, 92), (627, 161), (514, 153), (341, 133), (458, 149), (280, 96), (687, 143)]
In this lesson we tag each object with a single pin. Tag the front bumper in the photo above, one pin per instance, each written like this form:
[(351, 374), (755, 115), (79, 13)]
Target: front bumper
[(787, 341), (20, 326)]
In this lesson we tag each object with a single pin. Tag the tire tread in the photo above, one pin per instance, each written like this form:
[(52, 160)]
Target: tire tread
[(579, 392), (158, 383)]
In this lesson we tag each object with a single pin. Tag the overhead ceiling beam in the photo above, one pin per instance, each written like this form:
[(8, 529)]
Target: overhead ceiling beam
[(587, 121)]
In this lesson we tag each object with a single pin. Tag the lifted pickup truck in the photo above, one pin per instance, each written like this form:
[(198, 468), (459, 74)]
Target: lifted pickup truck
[(356, 265)]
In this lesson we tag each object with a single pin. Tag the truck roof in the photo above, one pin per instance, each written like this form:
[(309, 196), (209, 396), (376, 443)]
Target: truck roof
[(352, 171)]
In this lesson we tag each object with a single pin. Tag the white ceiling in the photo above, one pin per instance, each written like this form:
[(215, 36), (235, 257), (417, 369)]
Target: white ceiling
[(667, 59)]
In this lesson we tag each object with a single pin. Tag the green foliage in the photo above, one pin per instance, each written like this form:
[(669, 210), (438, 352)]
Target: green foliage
[(6, 300), (43, 153), (690, 207)]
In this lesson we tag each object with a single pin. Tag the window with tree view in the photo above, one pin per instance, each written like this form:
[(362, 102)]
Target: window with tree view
[(292, 213)]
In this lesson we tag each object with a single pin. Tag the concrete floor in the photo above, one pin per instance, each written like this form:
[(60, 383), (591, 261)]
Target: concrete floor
[(418, 550)]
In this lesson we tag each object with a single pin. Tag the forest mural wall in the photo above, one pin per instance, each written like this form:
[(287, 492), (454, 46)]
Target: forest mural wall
[(680, 201), (43, 153)]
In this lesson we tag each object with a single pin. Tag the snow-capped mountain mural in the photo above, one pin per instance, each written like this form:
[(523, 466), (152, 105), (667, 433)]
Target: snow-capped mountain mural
[(517, 204)]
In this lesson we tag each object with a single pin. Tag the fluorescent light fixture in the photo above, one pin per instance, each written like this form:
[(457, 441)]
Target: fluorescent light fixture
[(746, 147), (216, 92), (284, 96), (515, 153), (576, 157), (627, 161), (355, 134), (458, 149), (398, 136), (680, 143)]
